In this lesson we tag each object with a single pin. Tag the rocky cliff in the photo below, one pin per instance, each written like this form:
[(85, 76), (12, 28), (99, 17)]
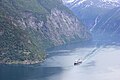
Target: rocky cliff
[(28, 27)]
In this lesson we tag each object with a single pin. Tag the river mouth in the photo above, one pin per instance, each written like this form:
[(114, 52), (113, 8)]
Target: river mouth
[(102, 65)]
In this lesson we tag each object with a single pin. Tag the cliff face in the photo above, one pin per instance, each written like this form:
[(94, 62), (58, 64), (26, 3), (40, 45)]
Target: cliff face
[(101, 16), (28, 27), (109, 26)]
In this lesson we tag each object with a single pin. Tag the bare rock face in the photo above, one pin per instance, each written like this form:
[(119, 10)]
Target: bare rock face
[(64, 27), (59, 27), (27, 32)]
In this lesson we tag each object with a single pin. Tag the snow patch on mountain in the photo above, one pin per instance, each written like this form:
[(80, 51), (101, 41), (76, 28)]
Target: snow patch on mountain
[(67, 1), (111, 1), (87, 3)]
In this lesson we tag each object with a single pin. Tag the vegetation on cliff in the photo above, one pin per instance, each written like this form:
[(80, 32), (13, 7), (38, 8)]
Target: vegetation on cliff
[(28, 27)]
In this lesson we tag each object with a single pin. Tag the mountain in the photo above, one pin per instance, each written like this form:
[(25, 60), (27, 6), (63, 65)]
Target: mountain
[(87, 3), (100, 16), (29, 27), (91, 11), (109, 25)]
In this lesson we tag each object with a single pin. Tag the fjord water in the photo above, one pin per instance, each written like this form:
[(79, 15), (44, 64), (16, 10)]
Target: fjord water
[(101, 65)]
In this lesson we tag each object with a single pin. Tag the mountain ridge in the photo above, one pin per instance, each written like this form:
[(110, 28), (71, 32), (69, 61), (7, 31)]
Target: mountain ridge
[(100, 16), (103, 3), (28, 28)]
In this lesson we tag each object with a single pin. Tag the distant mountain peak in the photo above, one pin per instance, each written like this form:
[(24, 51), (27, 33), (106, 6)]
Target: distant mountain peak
[(117, 1), (98, 3)]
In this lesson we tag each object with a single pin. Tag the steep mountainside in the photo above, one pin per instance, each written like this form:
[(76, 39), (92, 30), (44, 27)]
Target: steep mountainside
[(109, 25), (28, 27), (91, 11), (102, 17)]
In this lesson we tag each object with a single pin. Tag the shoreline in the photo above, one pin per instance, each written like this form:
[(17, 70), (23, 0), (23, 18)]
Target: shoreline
[(26, 62)]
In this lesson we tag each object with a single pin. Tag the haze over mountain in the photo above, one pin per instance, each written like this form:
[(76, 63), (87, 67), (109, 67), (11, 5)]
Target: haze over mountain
[(100, 16), (45, 40)]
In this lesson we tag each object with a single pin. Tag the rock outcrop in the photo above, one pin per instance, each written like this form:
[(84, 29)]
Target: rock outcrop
[(29, 27)]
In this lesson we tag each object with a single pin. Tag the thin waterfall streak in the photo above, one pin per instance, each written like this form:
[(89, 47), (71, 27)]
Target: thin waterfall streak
[(96, 20)]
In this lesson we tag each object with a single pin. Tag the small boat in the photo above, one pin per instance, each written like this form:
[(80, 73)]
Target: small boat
[(77, 62)]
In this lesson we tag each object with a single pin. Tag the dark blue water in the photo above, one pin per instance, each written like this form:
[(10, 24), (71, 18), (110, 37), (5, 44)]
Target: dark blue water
[(8, 72)]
